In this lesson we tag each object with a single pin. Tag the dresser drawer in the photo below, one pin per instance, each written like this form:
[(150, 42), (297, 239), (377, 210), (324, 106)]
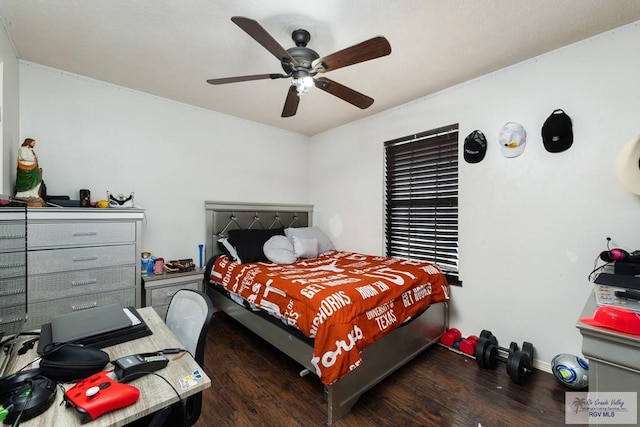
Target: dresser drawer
[(43, 312), (12, 264), (162, 296), (51, 286), (42, 235), (57, 260), (12, 319), (12, 236), (13, 291)]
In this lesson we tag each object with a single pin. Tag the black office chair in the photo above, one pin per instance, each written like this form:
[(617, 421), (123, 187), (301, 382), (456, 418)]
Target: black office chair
[(188, 316)]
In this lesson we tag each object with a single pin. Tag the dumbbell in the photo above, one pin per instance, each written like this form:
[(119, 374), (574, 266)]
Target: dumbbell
[(450, 337), (519, 362), (469, 344)]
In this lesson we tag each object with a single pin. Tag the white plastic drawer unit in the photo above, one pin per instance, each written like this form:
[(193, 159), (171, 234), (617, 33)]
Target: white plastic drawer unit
[(79, 233)]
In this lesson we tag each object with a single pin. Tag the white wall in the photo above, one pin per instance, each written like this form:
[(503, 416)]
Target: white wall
[(530, 227), (98, 136), (9, 105)]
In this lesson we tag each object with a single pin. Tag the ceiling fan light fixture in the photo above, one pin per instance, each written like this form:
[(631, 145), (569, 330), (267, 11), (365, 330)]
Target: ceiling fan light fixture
[(302, 84)]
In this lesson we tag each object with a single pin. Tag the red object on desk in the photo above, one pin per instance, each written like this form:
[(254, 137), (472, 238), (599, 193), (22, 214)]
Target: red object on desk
[(99, 394)]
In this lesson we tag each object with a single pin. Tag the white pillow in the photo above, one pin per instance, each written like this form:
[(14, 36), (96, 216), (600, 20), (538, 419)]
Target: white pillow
[(305, 248), (324, 242), (231, 249), (278, 249)]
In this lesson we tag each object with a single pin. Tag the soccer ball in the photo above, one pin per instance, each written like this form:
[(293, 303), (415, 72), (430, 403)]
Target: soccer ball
[(571, 370)]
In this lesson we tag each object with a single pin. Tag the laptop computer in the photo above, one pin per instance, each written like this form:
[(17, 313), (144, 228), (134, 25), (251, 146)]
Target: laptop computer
[(80, 324), (138, 329)]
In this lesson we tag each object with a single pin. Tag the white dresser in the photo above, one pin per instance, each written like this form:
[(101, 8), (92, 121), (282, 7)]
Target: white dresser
[(79, 258)]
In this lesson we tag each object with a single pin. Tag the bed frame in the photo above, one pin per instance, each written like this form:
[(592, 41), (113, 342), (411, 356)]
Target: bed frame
[(380, 359)]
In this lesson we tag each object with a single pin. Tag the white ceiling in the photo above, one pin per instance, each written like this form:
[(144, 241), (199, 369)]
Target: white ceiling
[(170, 48)]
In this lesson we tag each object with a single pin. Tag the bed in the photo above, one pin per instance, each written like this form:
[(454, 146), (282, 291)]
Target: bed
[(365, 366)]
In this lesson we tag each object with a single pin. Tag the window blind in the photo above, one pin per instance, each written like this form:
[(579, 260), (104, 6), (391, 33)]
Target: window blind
[(421, 198)]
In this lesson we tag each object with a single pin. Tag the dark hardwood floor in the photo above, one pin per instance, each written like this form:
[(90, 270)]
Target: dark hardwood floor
[(253, 384)]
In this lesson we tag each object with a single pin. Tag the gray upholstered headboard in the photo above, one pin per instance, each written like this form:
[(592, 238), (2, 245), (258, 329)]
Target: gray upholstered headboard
[(224, 216)]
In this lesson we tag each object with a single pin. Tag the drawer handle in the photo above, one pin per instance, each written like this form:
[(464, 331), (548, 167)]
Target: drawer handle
[(8, 320), (84, 258), (84, 282), (12, 292), (84, 307), (84, 233), (12, 237), (13, 264)]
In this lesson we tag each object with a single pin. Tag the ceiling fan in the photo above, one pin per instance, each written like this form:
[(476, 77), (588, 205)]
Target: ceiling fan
[(302, 65)]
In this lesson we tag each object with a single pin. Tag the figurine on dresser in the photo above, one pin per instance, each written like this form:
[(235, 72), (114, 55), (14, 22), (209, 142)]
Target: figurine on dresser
[(29, 175)]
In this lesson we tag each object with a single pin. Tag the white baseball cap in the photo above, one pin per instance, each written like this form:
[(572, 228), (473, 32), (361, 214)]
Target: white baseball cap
[(512, 139)]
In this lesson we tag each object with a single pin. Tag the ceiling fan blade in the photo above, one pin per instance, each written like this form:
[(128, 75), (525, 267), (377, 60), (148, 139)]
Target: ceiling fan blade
[(245, 78), (365, 51), (261, 35), (343, 92), (291, 103)]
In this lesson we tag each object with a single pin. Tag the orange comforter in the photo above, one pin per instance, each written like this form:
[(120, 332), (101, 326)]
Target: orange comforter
[(344, 300)]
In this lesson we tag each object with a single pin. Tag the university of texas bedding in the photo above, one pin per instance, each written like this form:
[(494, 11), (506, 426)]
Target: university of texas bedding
[(343, 300)]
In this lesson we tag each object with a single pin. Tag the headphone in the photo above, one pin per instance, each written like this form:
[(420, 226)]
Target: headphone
[(10, 383), (25, 395), (614, 254), (609, 256)]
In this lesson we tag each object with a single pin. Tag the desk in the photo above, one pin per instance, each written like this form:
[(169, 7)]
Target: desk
[(155, 393)]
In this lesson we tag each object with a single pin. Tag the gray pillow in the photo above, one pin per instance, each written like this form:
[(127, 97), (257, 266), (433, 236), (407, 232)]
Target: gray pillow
[(324, 242), (279, 250), (305, 248)]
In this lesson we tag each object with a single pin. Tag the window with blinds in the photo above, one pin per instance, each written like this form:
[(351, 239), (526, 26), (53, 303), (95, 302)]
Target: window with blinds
[(421, 199)]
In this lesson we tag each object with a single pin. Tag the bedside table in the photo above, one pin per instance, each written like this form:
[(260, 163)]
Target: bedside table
[(158, 289)]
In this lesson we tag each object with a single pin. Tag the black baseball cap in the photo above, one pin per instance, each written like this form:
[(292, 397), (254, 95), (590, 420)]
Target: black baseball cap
[(475, 147), (557, 132)]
